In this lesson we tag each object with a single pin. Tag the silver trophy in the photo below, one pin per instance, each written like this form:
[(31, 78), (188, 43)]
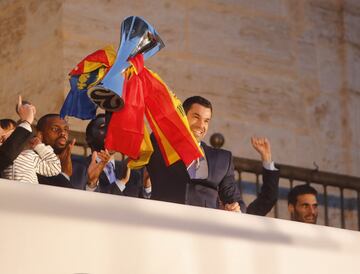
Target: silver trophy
[(136, 36)]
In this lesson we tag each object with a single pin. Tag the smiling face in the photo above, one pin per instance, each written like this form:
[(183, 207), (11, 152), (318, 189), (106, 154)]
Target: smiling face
[(55, 133), (305, 209), (199, 118)]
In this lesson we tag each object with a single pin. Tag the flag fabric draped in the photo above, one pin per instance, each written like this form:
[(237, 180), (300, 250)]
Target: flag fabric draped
[(146, 149), (146, 94), (86, 74)]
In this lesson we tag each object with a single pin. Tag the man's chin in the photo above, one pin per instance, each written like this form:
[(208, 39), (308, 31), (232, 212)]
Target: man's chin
[(198, 138), (310, 221), (59, 149)]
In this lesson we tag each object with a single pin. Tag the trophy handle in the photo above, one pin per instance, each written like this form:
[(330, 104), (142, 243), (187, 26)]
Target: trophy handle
[(105, 98)]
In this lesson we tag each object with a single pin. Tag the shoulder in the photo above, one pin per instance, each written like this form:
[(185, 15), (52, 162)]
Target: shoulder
[(217, 152), (27, 153), (21, 130)]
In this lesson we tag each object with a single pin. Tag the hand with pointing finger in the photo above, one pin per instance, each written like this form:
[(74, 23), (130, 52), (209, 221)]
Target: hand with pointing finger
[(26, 111)]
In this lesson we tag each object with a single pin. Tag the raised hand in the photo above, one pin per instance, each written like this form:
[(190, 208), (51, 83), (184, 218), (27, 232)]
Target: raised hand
[(65, 158), (26, 112), (95, 168), (262, 145)]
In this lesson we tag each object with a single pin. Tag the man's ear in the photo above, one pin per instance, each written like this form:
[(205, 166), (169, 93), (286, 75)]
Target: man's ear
[(291, 208)]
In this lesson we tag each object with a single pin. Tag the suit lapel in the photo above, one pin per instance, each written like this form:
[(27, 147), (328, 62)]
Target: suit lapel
[(209, 159)]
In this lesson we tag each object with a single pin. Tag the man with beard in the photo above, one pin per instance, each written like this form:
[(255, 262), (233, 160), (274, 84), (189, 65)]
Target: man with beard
[(54, 131), (302, 204)]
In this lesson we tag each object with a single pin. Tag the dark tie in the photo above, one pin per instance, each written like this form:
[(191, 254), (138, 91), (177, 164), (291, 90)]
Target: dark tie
[(110, 172)]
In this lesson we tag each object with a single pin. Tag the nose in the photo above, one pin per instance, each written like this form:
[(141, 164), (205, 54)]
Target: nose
[(201, 123), (63, 132)]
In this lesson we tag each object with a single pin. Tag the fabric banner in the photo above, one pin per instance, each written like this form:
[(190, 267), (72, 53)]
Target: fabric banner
[(86, 74), (144, 92)]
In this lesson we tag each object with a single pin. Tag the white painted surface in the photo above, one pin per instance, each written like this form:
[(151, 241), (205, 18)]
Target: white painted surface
[(54, 230)]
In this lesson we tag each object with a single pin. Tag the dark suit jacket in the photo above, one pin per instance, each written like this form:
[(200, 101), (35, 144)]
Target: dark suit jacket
[(167, 183), (173, 184), (79, 178), (268, 195), (13, 146), (220, 183)]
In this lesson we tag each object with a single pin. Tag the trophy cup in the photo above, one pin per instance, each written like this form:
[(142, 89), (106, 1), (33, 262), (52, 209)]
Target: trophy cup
[(136, 36)]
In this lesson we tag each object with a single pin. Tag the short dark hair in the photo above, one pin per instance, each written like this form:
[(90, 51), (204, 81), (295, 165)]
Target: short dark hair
[(6, 123), (91, 123), (40, 126), (196, 100), (300, 190)]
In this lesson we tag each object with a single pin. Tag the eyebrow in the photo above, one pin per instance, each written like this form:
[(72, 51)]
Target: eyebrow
[(309, 204), (60, 126)]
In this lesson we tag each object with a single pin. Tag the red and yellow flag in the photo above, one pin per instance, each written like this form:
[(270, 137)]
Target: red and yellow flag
[(145, 92), (104, 57)]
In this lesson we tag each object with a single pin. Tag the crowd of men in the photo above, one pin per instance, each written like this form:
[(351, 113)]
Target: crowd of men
[(45, 157)]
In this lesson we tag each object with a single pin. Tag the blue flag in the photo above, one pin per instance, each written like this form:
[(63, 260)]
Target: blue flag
[(86, 74), (77, 103)]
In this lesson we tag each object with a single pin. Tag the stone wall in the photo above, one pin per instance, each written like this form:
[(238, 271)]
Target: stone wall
[(288, 70), (31, 54)]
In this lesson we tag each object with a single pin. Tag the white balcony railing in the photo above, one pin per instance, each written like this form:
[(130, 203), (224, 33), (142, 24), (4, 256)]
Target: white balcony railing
[(46, 229)]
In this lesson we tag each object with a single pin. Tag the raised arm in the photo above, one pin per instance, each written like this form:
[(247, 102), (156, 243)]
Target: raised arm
[(268, 195), (13, 146)]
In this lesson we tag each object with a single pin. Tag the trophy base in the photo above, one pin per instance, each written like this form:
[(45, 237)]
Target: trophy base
[(105, 98)]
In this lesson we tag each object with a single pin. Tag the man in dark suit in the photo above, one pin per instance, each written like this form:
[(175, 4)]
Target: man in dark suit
[(15, 143), (209, 181), (100, 172)]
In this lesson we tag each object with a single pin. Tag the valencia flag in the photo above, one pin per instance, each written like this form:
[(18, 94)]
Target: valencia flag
[(86, 74)]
